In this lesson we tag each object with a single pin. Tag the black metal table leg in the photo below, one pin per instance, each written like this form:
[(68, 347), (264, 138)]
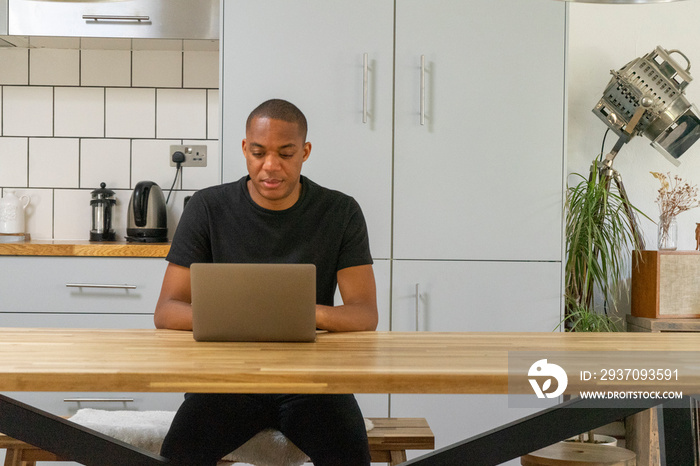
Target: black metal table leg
[(67, 439), (540, 430)]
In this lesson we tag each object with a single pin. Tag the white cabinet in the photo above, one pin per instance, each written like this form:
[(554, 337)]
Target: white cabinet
[(80, 285), (475, 296), (482, 177), (311, 52)]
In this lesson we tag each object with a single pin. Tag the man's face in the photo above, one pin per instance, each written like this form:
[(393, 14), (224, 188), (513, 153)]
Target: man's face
[(274, 151)]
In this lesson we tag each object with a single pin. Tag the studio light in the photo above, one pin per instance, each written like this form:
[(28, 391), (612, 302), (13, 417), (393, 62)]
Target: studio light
[(647, 97)]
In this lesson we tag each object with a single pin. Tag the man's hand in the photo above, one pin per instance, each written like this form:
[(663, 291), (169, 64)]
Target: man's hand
[(174, 308), (359, 309)]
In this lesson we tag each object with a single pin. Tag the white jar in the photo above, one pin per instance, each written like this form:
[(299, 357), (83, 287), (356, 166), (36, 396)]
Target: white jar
[(12, 212)]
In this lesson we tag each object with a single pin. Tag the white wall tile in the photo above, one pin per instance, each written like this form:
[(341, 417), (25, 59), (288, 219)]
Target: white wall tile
[(174, 208), (27, 111), (105, 43), (182, 113), (38, 216), (105, 160), (157, 68), (202, 177), (79, 111), (52, 42), (157, 44), (53, 163), (150, 161), (213, 114), (130, 113), (15, 65), (54, 67), (72, 214), (200, 45), (13, 162), (105, 68), (201, 69)]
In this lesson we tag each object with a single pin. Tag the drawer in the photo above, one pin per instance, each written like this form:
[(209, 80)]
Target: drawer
[(80, 285)]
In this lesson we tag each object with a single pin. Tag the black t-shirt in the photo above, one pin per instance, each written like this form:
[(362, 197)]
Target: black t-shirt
[(324, 227)]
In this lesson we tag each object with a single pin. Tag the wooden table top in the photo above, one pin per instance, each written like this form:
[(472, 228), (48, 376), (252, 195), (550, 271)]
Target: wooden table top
[(362, 362)]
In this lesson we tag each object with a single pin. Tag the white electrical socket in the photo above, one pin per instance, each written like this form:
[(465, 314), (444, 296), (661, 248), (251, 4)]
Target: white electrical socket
[(195, 156)]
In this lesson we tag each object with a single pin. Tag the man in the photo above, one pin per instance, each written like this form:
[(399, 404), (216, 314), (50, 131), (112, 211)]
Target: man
[(273, 215)]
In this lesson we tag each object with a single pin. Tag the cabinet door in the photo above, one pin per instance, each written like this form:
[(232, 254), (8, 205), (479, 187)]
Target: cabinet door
[(476, 296), (471, 296), (482, 177), (311, 52)]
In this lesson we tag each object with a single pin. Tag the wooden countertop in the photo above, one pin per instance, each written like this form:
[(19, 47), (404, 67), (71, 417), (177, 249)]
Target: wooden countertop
[(84, 249), (361, 362)]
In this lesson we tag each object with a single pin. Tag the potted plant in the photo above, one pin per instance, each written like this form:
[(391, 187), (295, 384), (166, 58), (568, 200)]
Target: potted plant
[(601, 234)]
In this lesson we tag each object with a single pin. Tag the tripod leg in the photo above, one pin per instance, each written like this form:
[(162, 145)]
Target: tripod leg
[(628, 209)]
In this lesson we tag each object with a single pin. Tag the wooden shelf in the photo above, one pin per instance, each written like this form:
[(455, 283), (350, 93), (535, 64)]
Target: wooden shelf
[(84, 249)]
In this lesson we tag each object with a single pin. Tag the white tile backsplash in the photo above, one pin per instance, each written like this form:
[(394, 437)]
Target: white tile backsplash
[(157, 68), (130, 113), (15, 66), (54, 67), (105, 160), (53, 163), (213, 114), (201, 69), (72, 214), (13, 162), (150, 161), (182, 113), (105, 68), (79, 111), (27, 111)]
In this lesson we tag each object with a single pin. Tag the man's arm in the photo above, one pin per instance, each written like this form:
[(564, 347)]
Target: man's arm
[(174, 308), (359, 309)]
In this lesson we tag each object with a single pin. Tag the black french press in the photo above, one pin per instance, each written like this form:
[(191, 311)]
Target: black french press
[(102, 202)]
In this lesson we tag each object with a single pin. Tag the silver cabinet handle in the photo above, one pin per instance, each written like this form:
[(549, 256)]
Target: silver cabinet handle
[(417, 303), (365, 86), (98, 400), (116, 18), (97, 285), (422, 89)]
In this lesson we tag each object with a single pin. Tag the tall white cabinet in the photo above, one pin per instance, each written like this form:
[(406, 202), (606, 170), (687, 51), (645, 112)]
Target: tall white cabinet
[(449, 134)]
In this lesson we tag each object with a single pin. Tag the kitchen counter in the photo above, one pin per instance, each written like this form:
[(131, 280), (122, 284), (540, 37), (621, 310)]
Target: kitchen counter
[(84, 249)]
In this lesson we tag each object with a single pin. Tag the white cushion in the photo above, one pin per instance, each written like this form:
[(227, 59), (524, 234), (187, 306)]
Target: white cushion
[(147, 429)]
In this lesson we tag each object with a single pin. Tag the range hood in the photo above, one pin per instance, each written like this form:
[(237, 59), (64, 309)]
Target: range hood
[(149, 19)]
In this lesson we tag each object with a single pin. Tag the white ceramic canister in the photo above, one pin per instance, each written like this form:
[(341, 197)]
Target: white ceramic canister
[(12, 212)]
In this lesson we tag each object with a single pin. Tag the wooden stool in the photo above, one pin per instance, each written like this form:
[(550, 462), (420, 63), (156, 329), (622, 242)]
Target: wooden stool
[(579, 454), (388, 442)]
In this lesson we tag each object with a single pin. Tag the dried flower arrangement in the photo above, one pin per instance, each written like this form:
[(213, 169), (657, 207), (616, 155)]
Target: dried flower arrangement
[(675, 196)]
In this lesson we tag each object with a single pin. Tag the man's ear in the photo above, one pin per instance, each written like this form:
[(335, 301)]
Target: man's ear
[(307, 150)]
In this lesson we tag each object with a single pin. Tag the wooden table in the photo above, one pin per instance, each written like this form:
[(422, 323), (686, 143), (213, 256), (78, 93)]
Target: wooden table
[(363, 362)]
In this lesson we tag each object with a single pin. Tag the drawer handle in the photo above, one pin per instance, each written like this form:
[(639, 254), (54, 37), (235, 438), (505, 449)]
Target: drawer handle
[(94, 285), (98, 400), (116, 18)]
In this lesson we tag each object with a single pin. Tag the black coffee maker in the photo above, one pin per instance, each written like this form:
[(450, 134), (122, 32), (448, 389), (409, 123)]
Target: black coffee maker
[(102, 202), (147, 219)]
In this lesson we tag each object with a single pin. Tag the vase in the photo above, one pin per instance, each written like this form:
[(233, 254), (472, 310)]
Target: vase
[(668, 234)]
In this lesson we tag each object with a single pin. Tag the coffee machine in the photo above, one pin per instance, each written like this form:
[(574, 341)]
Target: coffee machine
[(147, 218), (102, 202)]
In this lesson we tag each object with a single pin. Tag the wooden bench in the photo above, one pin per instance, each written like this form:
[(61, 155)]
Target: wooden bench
[(388, 442)]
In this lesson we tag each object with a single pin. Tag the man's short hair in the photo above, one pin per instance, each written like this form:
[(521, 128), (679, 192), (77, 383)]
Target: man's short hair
[(278, 109)]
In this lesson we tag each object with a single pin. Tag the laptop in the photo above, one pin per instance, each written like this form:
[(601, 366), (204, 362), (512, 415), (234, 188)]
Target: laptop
[(253, 302)]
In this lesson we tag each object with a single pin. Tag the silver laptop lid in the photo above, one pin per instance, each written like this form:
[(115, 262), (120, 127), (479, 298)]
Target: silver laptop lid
[(253, 302)]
